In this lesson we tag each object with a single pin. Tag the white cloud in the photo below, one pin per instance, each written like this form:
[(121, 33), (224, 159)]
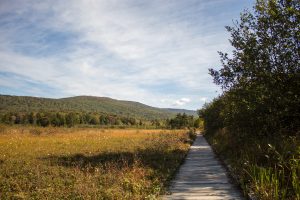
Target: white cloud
[(203, 99), (118, 47), (181, 102)]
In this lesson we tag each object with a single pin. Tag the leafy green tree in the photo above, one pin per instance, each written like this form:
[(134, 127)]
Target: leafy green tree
[(72, 119), (181, 121), (18, 119), (38, 118), (94, 120), (54, 120), (86, 118), (57, 119), (103, 120), (141, 123), (259, 109), (11, 118), (32, 118), (6, 118), (261, 77), (118, 121), (156, 123), (61, 119), (198, 123), (44, 121)]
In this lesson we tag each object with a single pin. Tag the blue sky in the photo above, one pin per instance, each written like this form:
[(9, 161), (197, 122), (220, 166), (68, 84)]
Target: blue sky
[(156, 52)]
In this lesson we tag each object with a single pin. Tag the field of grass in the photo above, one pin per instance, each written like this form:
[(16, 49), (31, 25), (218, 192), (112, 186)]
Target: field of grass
[(266, 169), (87, 163)]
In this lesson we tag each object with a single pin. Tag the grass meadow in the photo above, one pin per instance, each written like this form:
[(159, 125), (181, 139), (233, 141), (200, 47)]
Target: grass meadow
[(268, 169), (88, 163)]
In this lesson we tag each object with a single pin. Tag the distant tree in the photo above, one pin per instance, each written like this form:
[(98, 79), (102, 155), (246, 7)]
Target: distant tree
[(86, 118), (54, 120), (132, 121), (72, 119), (181, 121), (61, 118), (198, 123), (156, 123), (111, 120), (32, 118), (213, 115), (38, 118), (18, 118), (44, 121), (103, 120), (94, 120), (118, 121), (140, 123), (57, 119), (8, 118)]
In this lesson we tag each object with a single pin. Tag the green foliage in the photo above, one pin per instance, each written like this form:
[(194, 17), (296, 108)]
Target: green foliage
[(213, 115), (267, 168), (41, 120), (182, 121), (255, 123), (85, 104), (261, 78), (198, 123), (72, 119), (81, 111)]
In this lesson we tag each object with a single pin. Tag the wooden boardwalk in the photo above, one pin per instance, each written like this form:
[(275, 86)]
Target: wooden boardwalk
[(202, 176)]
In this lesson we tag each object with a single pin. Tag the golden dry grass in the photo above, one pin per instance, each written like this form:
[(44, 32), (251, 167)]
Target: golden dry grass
[(64, 163)]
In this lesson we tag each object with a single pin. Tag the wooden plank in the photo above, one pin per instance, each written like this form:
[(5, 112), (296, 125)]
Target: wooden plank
[(184, 197), (202, 176), (205, 195), (205, 190)]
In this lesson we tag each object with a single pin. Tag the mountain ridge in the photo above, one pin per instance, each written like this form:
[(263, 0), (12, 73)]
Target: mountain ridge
[(11, 103)]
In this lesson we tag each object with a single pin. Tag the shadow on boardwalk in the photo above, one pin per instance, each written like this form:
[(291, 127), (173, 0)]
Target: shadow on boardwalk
[(202, 176)]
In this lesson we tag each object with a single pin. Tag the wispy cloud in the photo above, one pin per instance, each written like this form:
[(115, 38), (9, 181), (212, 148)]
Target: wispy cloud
[(136, 50), (203, 99), (181, 102)]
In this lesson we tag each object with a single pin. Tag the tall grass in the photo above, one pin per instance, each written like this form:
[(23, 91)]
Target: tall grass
[(267, 169), (88, 163)]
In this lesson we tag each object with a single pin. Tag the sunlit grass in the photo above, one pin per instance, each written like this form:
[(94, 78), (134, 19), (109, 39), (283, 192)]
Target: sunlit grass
[(60, 163), (268, 169)]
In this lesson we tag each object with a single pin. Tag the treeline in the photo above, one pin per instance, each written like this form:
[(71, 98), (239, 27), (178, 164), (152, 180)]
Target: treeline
[(261, 80), (255, 123), (67, 119), (70, 119), (184, 121)]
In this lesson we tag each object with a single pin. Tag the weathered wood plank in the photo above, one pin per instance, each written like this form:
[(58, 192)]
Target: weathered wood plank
[(202, 176)]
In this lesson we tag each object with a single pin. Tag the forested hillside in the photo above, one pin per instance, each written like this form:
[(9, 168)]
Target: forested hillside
[(86, 104)]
